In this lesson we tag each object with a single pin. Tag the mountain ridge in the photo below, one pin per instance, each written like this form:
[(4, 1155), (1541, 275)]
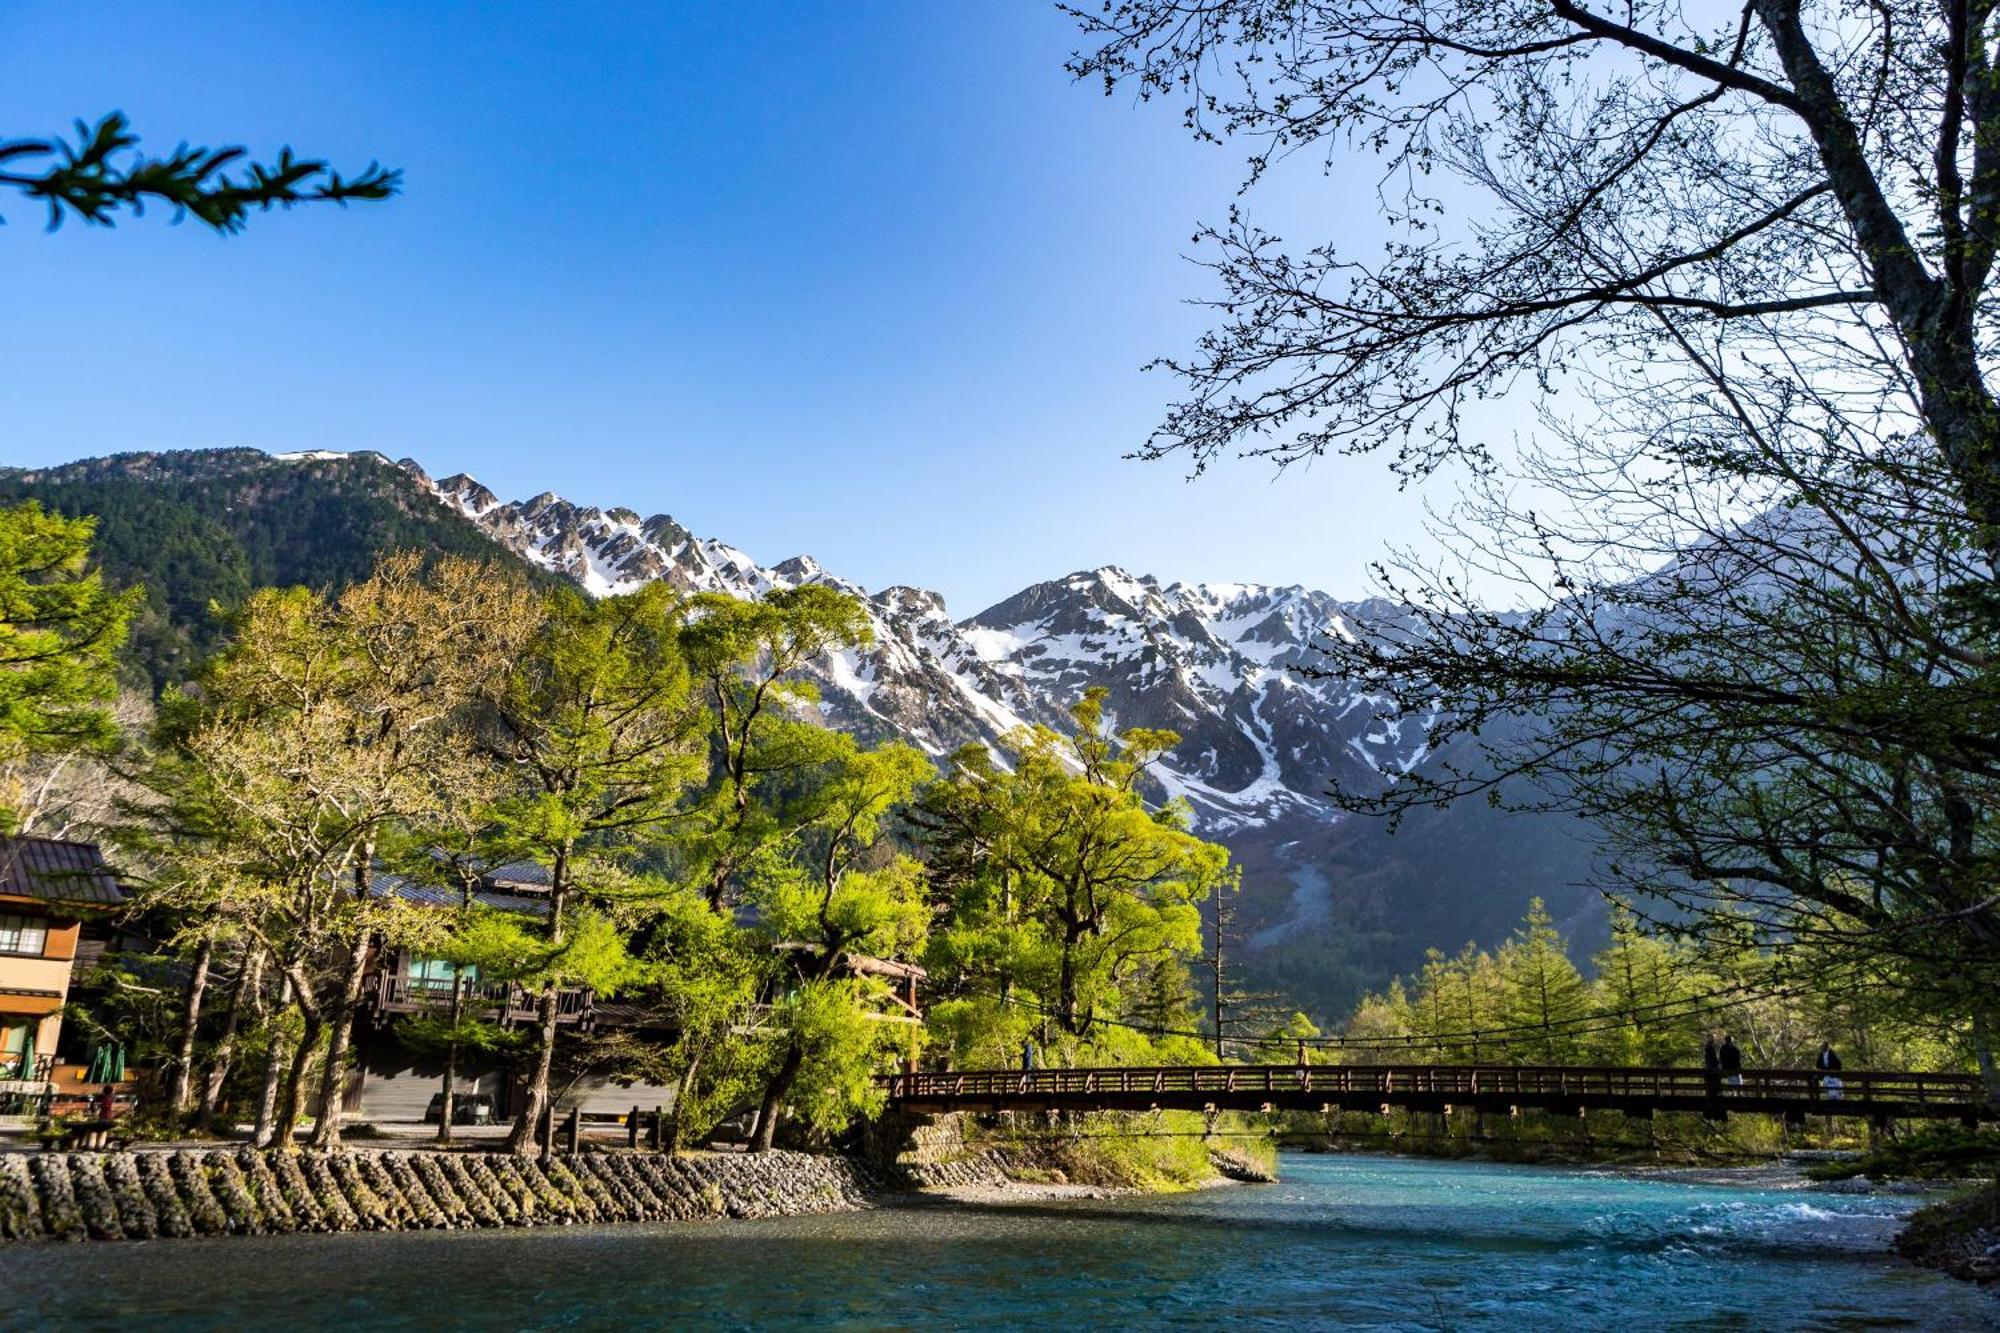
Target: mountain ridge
[(1214, 662)]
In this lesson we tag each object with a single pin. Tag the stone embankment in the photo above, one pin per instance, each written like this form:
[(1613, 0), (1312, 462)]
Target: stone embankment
[(221, 1191)]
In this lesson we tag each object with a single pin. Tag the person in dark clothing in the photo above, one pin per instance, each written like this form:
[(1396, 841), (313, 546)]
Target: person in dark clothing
[(1028, 1055), (1711, 1065), (1828, 1065), (1731, 1060)]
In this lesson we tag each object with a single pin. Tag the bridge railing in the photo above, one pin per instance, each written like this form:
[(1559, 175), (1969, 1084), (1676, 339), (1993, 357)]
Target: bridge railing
[(1395, 1082)]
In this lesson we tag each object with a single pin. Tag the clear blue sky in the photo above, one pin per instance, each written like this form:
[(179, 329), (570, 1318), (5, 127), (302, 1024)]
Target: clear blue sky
[(871, 281)]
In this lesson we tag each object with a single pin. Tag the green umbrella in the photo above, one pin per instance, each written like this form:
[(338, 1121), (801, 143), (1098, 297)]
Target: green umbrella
[(107, 1063)]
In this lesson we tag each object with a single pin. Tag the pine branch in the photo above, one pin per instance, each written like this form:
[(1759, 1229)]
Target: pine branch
[(104, 173)]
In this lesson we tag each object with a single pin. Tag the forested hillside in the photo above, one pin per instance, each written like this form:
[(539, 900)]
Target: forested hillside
[(201, 530)]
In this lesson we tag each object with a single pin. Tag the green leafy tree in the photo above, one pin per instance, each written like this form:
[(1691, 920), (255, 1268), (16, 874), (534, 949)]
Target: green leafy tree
[(823, 908), (1647, 993), (327, 730), (1284, 1042), (1741, 264), (1381, 1025), (704, 970), (1078, 886), (603, 736), (746, 656)]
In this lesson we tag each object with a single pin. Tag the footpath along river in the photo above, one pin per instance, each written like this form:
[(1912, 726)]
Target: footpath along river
[(1342, 1242)]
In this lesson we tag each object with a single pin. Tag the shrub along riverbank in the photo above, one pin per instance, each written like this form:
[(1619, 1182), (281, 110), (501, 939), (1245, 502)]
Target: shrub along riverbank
[(1157, 1153)]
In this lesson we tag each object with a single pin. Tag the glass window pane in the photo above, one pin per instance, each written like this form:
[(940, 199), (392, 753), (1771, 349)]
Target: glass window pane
[(23, 934)]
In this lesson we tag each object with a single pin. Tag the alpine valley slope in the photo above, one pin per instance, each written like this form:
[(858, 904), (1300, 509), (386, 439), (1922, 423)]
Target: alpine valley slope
[(1330, 904)]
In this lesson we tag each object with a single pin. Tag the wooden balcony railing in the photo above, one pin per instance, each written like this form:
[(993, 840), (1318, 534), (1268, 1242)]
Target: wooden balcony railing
[(495, 1001), (16, 1068)]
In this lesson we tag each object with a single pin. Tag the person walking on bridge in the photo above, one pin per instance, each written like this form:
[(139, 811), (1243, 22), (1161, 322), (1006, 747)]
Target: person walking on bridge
[(1731, 1060), (1711, 1067), (1030, 1061), (1828, 1065)]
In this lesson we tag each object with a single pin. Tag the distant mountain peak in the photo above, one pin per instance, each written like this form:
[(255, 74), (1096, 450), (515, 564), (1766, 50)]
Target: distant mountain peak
[(1211, 661)]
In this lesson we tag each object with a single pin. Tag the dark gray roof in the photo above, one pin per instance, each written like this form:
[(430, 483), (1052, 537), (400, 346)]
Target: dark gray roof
[(438, 895), (524, 874), (57, 872)]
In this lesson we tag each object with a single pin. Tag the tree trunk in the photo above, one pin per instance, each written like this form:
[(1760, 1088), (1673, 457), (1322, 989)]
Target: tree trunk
[(249, 983), (1982, 1046), (521, 1139), (1215, 989), (292, 1102), (274, 1073), (181, 1099), (1066, 982), (774, 1098), (448, 1094), (333, 1086), (671, 1139)]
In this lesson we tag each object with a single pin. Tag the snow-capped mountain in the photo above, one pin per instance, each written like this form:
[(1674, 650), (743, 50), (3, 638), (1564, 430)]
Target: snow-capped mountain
[(1214, 662), (1329, 905)]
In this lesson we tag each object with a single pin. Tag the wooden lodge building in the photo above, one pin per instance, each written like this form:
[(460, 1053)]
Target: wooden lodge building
[(393, 1082), (47, 888)]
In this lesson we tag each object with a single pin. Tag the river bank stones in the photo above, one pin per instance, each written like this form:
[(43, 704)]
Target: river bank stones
[(141, 1195)]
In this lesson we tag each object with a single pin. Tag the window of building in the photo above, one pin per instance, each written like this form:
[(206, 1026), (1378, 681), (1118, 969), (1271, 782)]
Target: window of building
[(438, 974), (23, 934), (17, 1049)]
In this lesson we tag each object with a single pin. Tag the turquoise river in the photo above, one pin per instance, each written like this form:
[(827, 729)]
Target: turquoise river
[(1342, 1242)]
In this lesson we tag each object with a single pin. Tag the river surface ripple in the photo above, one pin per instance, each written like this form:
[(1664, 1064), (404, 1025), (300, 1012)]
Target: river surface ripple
[(1342, 1242)]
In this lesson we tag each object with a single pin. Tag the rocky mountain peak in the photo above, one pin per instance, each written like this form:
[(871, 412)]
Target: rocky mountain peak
[(1213, 662)]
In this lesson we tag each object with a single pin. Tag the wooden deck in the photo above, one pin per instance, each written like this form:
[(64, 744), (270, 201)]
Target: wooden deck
[(1502, 1089)]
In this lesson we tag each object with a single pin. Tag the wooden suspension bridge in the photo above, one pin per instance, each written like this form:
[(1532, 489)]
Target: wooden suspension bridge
[(1793, 1094)]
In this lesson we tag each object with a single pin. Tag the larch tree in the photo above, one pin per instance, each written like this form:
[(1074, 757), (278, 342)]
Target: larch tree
[(1647, 992), (1097, 884), (103, 174), (823, 905), (604, 736), (1543, 998), (60, 630)]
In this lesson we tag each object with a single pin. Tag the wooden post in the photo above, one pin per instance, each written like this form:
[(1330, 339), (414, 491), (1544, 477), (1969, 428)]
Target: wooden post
[(572, 1130), (659, 1129), (632, 1129)]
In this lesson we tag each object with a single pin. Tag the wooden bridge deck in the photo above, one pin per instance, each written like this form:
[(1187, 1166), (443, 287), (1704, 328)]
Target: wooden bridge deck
[(1567, 1090)]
